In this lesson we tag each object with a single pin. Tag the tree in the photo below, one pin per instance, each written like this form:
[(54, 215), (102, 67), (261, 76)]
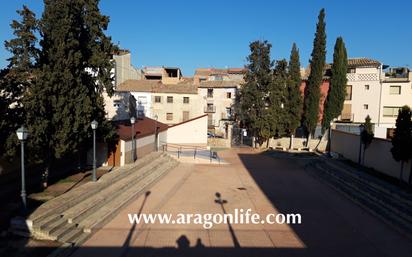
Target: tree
[(402, 139), (366, 136), (317, 64), (74, 71), (293, 98), (17, 78), (337, 88), (277, 99), (253, 96)]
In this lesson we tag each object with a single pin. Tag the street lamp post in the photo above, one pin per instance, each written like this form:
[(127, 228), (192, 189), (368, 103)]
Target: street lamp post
[(155, 134), (330, 137), (132, 121), (361, 129), (94, 127), (22, 134)]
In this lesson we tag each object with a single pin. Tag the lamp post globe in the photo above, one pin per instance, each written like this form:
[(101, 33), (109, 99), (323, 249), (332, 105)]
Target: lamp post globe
[(22, 134)]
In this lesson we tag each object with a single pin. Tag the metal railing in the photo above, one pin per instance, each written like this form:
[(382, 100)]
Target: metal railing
[(210, 109), (187, 151)]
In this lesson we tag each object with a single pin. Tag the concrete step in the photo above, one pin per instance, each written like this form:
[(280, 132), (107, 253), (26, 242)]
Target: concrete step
[(65, 201), (87, 215), (377, 183), (97, 219), (362, 195), (398, 204), (71, 235), (88, 206)]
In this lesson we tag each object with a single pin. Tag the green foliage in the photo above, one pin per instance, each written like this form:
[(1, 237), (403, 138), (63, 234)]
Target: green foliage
[(74, 71), (367, 134), (317, 64), (293, 97), (16, 79), (252, 106), (402, 140), (337, 89)]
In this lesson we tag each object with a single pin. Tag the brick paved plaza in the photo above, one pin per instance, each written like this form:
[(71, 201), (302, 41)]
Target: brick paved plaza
[(331, 225)]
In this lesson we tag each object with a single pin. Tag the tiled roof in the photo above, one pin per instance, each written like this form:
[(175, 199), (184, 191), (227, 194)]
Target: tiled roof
[(143, 127), (156, 86), (216, 71), (363, 62), (218, 84)]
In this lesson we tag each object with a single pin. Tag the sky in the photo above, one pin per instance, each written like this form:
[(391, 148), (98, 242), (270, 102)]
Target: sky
[(201, 34)]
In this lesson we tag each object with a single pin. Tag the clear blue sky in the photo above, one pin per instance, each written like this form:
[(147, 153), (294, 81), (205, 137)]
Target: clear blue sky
[(192, 34)]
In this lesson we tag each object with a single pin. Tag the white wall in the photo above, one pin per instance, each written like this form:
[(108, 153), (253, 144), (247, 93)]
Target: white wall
[(145, 106), (192, 132), (362, 96), (377, 156)]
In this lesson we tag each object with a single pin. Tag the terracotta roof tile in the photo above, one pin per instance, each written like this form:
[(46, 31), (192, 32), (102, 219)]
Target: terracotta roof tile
[(156, 86), (218, 84), (143, 127)]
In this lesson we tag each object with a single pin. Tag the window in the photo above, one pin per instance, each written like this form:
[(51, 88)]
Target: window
[(365, 106), (390, 111), (170, 99), (185, 115), (210, 92), (116, 103), (229, 95), (185, 100), (228, 112), (158, 99), (351, 70), (366, 87), (169, 116), (141, 100), (348, 92), (202, 79), (395, 90)]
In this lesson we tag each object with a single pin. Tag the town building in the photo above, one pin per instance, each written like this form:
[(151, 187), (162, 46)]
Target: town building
[(169, 103), (372, 89), (121, 105), (217, 89)]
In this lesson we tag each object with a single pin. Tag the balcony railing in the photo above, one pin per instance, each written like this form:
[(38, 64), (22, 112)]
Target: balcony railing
[(210, 109)]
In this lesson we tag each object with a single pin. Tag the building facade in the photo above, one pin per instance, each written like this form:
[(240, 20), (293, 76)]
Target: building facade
[(217, 89)]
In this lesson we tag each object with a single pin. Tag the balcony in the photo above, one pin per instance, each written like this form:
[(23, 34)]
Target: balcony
[(346, 117), (210, 109)]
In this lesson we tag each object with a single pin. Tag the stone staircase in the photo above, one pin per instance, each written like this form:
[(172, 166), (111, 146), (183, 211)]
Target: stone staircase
[(384, 200), (73, 216)]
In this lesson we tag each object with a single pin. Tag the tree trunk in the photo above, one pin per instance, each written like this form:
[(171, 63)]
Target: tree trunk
[(363, 156), (291, 142), (267, 143), (401, 173), (410, 174)]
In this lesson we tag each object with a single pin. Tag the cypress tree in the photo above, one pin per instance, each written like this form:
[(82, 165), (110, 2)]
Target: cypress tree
[(402, 140), (74, 71), (293, 99), (317, 64), (17, 78), (252, 105), (277, 99), (337, 88)]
